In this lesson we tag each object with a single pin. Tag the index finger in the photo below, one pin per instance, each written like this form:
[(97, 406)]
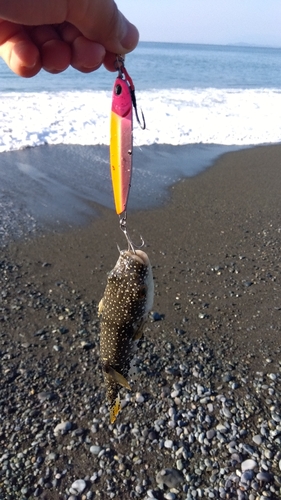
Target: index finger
[(17, 50)]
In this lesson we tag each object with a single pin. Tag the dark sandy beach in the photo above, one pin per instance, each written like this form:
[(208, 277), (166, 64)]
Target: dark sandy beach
[(215, 251)]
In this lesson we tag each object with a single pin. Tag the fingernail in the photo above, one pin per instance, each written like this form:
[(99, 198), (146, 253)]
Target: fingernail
[(30, 65)]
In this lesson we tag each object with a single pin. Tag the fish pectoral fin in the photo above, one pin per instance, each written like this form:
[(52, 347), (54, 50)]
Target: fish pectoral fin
[(139, 332), (118, 378), (115, 409), (100, 308)]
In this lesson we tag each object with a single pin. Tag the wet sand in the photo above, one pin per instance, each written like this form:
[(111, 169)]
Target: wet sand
[(217, 241), (53, 185), (215, 251)]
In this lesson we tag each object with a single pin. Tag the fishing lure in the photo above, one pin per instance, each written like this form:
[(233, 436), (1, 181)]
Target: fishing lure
[(121, 135)]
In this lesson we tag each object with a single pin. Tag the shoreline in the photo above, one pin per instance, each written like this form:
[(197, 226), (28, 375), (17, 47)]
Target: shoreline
[(209, 369), (50, 187)]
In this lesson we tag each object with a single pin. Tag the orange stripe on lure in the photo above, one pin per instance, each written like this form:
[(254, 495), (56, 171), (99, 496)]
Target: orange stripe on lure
[(121, 136)]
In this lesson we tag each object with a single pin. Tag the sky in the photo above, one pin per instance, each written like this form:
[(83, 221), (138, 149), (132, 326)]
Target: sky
[(256, 22)]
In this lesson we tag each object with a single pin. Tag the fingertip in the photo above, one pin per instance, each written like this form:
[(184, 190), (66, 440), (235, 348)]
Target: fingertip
[(109, 61), (87, 56), (28, 72), (55, 55), (131, 37), (24, 59)]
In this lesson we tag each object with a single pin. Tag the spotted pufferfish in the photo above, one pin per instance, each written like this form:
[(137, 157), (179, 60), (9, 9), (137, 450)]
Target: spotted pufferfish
[(124, 308)]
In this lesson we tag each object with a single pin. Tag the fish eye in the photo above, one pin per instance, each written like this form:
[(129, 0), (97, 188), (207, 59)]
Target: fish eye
[(142, 291), (118, 89)]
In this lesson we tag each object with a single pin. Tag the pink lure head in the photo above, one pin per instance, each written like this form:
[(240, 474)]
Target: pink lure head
[(121, 98)]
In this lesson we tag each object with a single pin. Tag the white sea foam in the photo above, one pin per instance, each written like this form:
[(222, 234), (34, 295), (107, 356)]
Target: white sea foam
[(217, 116)]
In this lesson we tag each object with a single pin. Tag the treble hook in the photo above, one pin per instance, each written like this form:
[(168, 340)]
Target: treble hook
[(133, 97), (123, 226), (134, 101)]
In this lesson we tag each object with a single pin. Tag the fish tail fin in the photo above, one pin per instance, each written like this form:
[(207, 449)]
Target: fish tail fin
[(115, 409), (117, 377)]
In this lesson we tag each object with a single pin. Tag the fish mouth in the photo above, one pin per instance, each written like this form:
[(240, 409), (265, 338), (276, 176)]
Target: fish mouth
[(138, 256)]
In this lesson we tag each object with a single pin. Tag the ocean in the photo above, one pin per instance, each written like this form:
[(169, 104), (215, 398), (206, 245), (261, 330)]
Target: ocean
[(190, 94), (198, 100)]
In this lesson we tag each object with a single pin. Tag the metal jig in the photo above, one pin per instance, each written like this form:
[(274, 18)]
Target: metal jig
[(121, 143)]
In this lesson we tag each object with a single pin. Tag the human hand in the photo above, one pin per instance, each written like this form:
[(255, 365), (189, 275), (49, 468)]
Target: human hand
[(53, 34)]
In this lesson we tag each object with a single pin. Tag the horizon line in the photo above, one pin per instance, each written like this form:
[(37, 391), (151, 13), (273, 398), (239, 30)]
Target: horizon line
[(228, 44)]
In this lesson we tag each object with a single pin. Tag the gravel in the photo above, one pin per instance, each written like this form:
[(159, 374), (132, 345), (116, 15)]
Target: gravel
[(204, 417), (188, 433)]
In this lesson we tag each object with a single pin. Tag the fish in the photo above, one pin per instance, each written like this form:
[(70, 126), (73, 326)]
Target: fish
[(124, 309), (121, 142)]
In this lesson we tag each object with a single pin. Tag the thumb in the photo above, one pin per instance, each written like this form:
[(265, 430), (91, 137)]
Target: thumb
[(102, 22)]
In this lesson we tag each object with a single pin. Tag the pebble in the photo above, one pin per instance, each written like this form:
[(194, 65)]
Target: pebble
[(241, 495), (155, 316), (247, 476), (62, 428), (222, 428), (151, 493), (202, 315), (268, 453), (45, 396), (139, 398), (179, 464), (264, 476), (257, 439), (169, 477), (248, 464), (51, 457), (168, 443), (78, 486), (95, 449), (170, 496), (248, 449), (210, 434), (226, 412)]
